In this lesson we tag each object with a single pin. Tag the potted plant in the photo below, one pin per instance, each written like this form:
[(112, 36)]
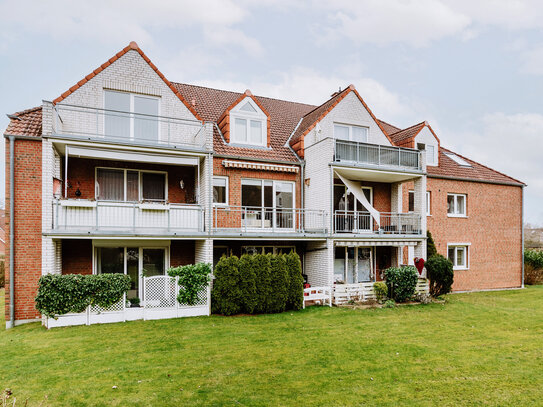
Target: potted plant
[(134, 302)]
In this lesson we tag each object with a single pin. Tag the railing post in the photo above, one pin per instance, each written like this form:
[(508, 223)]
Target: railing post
[(56, 222), (96, 213), (169, 218), (134, 216), (379, 154), (244, 219)]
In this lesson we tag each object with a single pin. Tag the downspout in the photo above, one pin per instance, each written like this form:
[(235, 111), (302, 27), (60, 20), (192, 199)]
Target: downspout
[(522, 232), (11, 231)]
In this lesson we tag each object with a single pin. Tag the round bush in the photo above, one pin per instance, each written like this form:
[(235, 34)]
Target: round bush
[(440, 273), (401, 282), (381, 290)]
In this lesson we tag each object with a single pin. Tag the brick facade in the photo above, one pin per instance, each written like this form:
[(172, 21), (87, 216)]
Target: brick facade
[(28, 217), (492, 227), (77, 256)]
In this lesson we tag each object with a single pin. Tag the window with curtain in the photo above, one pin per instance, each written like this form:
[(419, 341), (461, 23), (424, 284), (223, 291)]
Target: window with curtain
[(130, 185)]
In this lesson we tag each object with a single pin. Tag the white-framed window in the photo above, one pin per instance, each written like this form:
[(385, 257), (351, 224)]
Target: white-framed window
[(248, 124), (350, 133), (430, 155), (220, 190), (456, 205), (458, 254), (131, 116), (411, 202), (114, 184), (259, 193)]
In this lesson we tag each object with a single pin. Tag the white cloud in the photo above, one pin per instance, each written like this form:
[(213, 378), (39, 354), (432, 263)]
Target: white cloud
[(532, 61), (123, 20)]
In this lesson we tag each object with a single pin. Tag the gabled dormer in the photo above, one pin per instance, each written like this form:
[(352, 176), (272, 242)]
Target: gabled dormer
[(246, 123)]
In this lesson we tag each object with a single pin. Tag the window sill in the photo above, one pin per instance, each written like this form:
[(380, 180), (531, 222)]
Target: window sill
[(460, 268), (456, 216)]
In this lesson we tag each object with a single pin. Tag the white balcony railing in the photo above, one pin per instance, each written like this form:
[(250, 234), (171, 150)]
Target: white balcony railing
[(82, 216), (391, 223), (127, 128), (258, 219), (377, 155)]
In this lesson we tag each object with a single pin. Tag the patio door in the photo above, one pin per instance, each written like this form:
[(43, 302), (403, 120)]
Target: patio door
[(353, 265), (136, 262)]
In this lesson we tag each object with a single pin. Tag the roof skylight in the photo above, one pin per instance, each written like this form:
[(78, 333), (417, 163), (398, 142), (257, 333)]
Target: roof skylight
[(460, 161)]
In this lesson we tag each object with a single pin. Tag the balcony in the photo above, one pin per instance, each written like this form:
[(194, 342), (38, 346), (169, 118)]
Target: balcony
[(247, 219), (391, 223), (78, 216), (374, 155), (118, 127)]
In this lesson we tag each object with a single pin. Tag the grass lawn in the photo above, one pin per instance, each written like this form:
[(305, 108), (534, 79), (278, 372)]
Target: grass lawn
[(477, 349)]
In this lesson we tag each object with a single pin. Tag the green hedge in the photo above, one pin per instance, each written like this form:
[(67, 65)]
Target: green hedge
[(401, 282), (533, 258), (257, 284), (62, 294), (193, 278)]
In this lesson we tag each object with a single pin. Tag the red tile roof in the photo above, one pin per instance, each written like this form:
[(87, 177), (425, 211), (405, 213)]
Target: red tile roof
[(284, 116), (388, 128), (132, 46), (448, 168), (406, 134), (25, 123)]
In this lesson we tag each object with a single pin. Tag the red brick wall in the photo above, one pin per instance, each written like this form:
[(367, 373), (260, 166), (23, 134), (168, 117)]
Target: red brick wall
[(81, 174), (492, 226), (28, 239), (181, 252), (77, 256)]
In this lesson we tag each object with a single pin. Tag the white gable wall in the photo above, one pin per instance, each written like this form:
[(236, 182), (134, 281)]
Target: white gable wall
[(130, 73), (426, 137), (348, 111)]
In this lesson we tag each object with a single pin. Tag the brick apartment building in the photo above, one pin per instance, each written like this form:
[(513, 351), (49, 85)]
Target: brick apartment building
[(128, 172)]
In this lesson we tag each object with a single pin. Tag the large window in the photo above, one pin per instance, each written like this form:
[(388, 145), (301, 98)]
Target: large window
[(130, 116), (411, 204), (136, 262), (351, 133), (220, 190), (267, 203), (130, 185), (456, 205), (248, 124), (458, 255)]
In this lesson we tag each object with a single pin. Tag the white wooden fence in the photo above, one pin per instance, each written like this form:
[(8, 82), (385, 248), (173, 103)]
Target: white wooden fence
[(343, 293), (159, 302)]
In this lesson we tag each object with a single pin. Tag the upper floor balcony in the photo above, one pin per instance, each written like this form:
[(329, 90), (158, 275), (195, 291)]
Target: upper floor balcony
[(390, 223), (377, 156), (127, 127), (268, 220)]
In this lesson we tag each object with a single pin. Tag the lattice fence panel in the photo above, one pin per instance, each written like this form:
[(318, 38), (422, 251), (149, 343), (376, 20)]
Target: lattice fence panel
[(160, 292)]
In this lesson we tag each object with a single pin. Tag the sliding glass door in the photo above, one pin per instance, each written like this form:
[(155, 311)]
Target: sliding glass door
[(136, 262)]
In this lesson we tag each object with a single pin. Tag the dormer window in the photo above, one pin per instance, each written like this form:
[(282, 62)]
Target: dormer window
[(248, 124)]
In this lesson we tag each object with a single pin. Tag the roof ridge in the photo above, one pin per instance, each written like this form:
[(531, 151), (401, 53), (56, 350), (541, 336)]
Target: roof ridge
[(482, 165), (29, 110), (407, 128), (241, 93), (335, 95), (387, 123)]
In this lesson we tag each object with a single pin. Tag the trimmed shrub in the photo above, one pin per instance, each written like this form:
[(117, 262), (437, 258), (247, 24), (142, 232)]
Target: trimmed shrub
[(440, 273), (401, 282), (431, 249), (226, 294), (193, 278), (262, 267), (279, 283), (533, 266), (62, 294), (381, 290), (296, 282), (248, 283)]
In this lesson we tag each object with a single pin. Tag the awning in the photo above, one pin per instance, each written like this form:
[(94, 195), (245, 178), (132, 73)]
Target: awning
[(371, 243), (356, 189), (106, 154), (259, 166)]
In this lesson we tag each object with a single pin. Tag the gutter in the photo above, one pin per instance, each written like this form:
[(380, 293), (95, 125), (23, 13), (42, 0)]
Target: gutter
[(511, 184), (11, 323)]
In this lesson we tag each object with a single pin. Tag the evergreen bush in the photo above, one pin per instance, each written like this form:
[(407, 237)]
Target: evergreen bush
[(279, 283), (248, 283), (226, 294), (381, 290), (431, 249), (440, 274), (401, 282), (296, 282), (262, 267)]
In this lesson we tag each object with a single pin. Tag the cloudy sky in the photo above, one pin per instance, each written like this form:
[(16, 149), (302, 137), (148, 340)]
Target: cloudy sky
[(473, 69)]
